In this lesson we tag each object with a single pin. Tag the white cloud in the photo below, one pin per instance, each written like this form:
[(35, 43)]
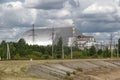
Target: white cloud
[(12, 5), (69, 21), (34, 14), (61, 23), (63, 13), (8, 33), (98, 9)]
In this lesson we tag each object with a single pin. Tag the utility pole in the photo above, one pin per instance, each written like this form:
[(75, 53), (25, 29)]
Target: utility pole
[(71, 52), (8, 52), (117, 50), (33, 34), (101, 45), (111, 39), (118, 46), (72, 40), (53, 33), (63, 51)]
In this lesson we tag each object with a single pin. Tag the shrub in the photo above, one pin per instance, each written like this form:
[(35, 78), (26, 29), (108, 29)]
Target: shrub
[(80, 69), (68, 73), (74, 72)]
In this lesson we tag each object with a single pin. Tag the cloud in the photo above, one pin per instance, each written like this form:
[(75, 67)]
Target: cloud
[(90, 16), (53, 14), (62, 13), (44, 4), (99, 17), (14, 14), (12, 5), (98, 27), (4, 1), (13, 18), (74, 3), (50, 4), (8, 33), (97, 9)]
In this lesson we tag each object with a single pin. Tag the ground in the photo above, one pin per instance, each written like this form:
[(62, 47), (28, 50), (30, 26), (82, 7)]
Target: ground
[(17, 69), (97, 69)]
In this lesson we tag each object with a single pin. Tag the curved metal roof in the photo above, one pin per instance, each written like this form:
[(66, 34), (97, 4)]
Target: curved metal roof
[(43, 36)]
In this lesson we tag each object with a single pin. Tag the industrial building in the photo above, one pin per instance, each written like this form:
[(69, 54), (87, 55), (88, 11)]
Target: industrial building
[(47, 35), (85, 41)]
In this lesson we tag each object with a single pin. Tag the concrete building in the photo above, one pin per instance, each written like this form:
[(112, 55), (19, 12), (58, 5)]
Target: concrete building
[(85, 41)]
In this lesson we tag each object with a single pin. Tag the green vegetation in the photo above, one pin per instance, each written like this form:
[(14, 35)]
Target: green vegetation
[(79, 69), (119, 46), (21, 50), (68, 73)]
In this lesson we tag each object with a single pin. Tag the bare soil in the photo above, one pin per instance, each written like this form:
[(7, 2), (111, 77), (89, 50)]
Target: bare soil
[(19, 70)]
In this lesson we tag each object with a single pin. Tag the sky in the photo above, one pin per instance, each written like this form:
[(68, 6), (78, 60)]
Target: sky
[(98, 18)]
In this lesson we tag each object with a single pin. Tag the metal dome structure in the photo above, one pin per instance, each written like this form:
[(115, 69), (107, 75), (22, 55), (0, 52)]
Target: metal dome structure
[(43, 36)]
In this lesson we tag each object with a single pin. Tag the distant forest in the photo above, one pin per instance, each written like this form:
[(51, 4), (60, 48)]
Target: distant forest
[(21, 50)]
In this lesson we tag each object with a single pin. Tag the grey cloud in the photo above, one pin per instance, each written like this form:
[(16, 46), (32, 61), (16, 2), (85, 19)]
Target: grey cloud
[(4, 1), (55, 13), (15, 17), (98, 18), (43, 4), (50, 4), (86, 26), (74, 3)]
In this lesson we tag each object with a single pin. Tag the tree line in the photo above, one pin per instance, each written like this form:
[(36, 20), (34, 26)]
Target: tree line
[(21, 50)]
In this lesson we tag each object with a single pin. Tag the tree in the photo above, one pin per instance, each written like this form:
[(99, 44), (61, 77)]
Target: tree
[(12, 50), (3, 49), (119, 46), (92, 51), (100, 53), (58, 49), (21, 47), (106, 53), (21, 41)]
